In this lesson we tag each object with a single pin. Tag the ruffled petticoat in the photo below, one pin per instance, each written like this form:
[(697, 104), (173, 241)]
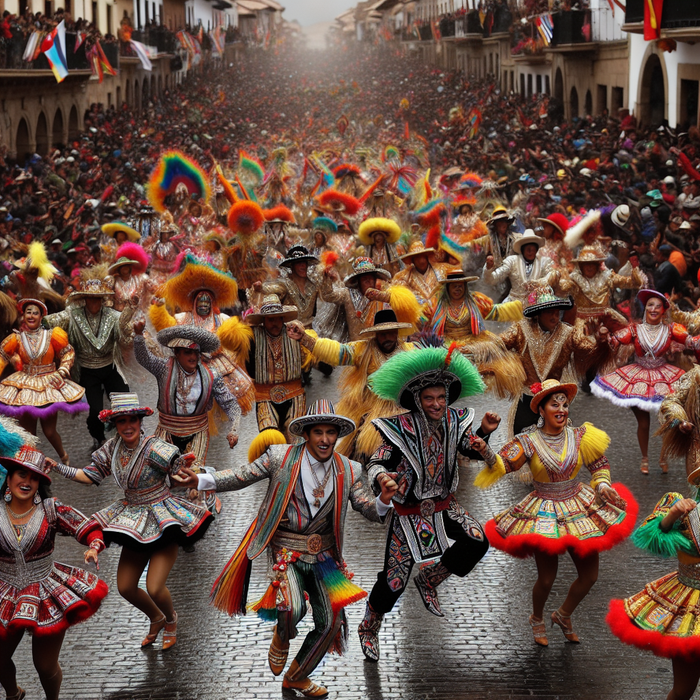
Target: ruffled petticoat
[(559, 516), (24, 393), (635, 385), (664, 617), (61, 596), (140, 522)]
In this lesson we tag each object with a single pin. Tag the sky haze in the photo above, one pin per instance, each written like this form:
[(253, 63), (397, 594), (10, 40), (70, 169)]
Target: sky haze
[(308, 12)]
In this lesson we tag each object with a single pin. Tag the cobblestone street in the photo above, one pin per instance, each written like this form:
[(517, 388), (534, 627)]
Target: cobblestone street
[(482, 649)]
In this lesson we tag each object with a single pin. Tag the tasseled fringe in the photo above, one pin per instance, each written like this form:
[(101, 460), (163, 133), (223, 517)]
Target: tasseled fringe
[(593, 443), (675, 443), (652, 538), (488, 476), (307, 358), (506, 312), (369, 439), (405, 305), (230, 590), (262, 441), (339, 645), (266, 607), (160, 318), (341, 590), (236, 337)]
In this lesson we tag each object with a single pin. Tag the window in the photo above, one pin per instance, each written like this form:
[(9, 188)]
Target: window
[(616, 99), (538, 84), (529, 84), (602, 98)]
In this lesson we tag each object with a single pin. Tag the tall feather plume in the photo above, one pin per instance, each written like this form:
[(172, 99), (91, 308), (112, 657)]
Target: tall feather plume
[(574, 235)]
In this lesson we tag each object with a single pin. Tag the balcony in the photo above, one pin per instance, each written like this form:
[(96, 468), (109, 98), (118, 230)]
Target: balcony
[(680, 19), (12, 50)]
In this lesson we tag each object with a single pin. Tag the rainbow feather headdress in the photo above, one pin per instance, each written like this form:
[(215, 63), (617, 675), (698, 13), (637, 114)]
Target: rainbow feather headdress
[(174, 168), (195, 275)]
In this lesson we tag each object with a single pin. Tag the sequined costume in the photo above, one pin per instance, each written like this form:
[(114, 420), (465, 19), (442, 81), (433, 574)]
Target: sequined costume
[(290, 294), (519, 272), (663, 616), (137, 285), (42, 358), (183, 415), (648, 380), (38, 594), (562, 512), (305, 549), (423, 284), (149, 516)]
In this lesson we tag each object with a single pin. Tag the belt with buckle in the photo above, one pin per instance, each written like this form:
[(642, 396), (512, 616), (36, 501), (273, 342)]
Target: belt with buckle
[(304, 544), (425, 508), (279, 393)]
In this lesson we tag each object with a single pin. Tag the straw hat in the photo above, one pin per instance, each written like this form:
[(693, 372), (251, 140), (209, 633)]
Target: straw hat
[(271, 306), (547, 388)]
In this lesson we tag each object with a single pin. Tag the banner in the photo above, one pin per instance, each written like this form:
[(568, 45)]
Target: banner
[(652, 19), (142, 52), (54, 48)]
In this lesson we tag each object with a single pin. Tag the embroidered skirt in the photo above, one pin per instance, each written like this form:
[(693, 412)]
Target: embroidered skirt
[(65, 596), (148, 527), (663, 618), (634, 385), (557, 517), (22, 393)]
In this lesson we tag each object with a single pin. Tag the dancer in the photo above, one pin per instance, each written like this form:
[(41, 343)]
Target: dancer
[(128, 276), (418, 460), (379, 236), (421, 274), (41, 388), (38, 595), (561, 514), (302, 522), (643, 384), (98, 335), (661, 618), (149, 522), (457, 315)]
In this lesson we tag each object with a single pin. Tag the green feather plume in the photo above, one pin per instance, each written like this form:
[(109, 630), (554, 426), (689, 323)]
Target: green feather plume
[(390, 379)]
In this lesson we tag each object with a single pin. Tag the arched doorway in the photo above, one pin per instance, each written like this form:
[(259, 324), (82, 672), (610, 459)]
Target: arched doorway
[(573, 103), (42, 135), (57, 129), (652, 94), (22, 143), (559, 85), (128, 93), (145, 95), (588, 105), (137, 96), (73, 126)]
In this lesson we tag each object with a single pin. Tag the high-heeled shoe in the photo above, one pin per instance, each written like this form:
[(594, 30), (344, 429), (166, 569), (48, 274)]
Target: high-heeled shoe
[(539, 631), (19, 695), (644, 466), (65, 459), (153, 634), (564, 621), (170, 634)]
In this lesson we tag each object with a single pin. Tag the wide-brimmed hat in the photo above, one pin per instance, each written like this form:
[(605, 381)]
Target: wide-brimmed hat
[(28, 458), (120, 262), (541, 297), (528, 237), (321, 412), (364, 266), (643, 295), (124, 403), (92, 288), (620, 215), (324, 224), (279, 215), (547, 388), (558, 221), (191, 337), (22, 304), (195, 275), (500, 214), (416, 248), (458, 276), (390, 229), (591, 253), (271, 306), (114, 227), (385, 320), (298, 253)]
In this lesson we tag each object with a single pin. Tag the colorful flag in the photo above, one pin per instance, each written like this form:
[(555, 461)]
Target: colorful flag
[(54, 48), (33, 47), (142, 52), (545, 27), (79, 39), (653, 10), (99, 62)]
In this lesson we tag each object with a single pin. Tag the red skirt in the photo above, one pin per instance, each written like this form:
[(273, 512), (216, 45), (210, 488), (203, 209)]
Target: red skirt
[(599, 537)]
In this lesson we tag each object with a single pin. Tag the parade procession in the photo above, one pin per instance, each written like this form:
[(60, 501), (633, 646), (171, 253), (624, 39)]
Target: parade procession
[(389, 378)]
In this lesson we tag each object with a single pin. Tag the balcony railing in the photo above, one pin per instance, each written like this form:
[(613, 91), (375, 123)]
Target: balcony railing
[(12, 50), (163, 39), (677, 14), (572, 27), (634, 11)]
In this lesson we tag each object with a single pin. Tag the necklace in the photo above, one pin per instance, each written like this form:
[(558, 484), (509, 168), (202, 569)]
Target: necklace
[(19, 515), (320, 489), (275, 345), (185, 382), (555, 442)]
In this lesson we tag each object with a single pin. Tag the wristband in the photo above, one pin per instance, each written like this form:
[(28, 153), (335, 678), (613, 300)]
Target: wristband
[(65, 470)]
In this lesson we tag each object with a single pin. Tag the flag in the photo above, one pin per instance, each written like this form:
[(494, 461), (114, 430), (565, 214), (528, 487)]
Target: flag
[(653, 10), (545, 27), (142, 52), (33, 45), (99, 62), (54, 48), (79, 39)]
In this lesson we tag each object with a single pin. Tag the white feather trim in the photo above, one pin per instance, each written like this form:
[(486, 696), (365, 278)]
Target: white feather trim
[(575, 233)]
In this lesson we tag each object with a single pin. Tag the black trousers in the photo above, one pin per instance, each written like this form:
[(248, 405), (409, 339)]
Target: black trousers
[(459, 559), (97, 382), (524, 415)]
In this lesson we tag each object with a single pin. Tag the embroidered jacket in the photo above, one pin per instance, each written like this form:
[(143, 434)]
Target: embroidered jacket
[(514, 269)]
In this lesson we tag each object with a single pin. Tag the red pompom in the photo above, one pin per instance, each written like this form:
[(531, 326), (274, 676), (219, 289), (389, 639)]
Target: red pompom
[(536, 388)]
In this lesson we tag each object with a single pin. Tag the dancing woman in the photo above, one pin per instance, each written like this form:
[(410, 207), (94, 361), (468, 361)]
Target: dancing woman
[(149, 522), (41, 386), (643, 384), (561, 514), (38, 595)]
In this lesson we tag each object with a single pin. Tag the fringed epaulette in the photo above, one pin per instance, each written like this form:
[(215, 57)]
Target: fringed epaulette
[(236, 337), (594, 442)]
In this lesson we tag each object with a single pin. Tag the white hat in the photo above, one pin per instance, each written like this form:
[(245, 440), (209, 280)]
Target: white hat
[(620, 215), (669, 180), (528, 237), (685, 226)]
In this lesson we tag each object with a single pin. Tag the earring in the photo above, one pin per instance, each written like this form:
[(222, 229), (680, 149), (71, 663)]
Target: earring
[(540, 422), (37, 499), (7, 496)]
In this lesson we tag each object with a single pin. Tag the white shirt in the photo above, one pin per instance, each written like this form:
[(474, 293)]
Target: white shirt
[(190, 401), (308, 462)]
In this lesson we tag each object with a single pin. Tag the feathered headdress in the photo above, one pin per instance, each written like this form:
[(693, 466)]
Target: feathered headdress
[(575, 233), (194, 275), (245, 217), (251, 166), (339, 202), (12, 439), (134, 252), (175, 168), (279, 213), (430, 214), (38, 260)]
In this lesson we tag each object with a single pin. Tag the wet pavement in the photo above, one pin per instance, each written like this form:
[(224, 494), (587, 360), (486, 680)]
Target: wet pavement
[(482, 649)]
